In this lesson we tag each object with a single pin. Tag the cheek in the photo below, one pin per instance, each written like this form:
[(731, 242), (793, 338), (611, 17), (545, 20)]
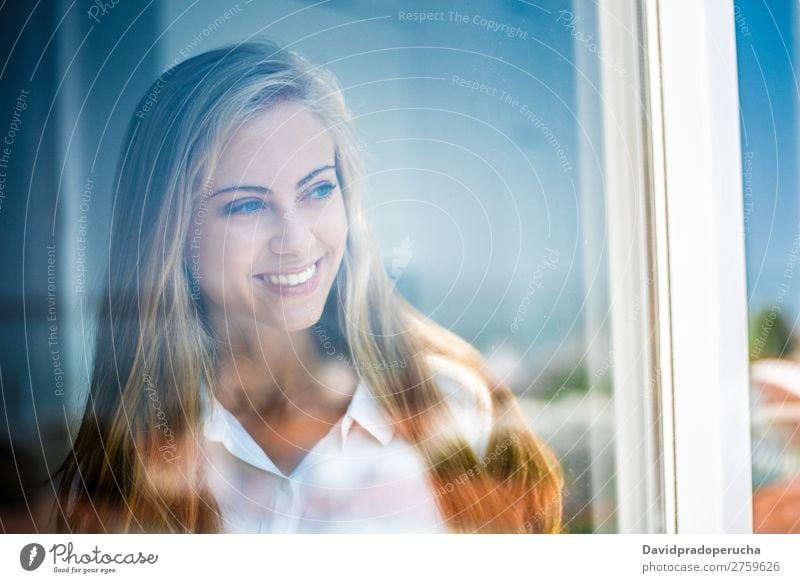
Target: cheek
[(226, 252), (332, 224)]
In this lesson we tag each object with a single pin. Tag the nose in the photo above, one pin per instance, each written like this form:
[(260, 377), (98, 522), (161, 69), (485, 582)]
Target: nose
[(293, 236)]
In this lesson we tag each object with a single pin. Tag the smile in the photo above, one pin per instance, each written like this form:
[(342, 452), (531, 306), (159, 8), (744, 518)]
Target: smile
[(292, 278), (298, 283)]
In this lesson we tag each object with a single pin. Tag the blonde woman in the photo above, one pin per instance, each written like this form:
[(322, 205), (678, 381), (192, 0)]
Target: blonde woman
[(255, 370)]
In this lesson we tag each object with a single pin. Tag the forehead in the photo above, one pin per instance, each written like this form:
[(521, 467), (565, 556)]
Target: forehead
[(283, 142)]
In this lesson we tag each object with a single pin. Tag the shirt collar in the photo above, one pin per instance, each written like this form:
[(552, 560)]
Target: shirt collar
[(221, 425), (365, 410)]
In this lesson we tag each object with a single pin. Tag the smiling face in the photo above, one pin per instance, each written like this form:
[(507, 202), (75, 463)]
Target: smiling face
[(267, 242)]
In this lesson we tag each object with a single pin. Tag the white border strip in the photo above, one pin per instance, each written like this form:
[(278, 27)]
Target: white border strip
[(636, 445), (707, 289), (661, 268)]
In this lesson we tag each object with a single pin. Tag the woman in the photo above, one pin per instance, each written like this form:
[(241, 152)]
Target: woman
[(255, 371)]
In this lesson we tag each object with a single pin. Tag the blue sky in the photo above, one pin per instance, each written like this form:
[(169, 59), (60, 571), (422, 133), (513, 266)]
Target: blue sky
[(766, 34)]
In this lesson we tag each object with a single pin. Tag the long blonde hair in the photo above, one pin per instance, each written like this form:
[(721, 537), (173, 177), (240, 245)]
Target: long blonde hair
[(136, 463)]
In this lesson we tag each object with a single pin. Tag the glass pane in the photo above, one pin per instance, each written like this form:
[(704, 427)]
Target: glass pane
[(503, 187), (768, 47)]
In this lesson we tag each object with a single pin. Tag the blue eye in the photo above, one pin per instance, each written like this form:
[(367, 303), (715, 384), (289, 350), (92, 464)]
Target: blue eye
[(324, 190), (247, 207)]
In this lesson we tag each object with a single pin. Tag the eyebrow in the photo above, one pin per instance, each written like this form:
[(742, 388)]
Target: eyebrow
[(264, 190)]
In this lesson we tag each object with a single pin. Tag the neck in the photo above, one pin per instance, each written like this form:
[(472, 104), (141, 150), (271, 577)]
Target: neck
[(269, 370)]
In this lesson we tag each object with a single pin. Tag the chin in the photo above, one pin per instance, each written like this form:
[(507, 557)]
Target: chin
[(295, 321)]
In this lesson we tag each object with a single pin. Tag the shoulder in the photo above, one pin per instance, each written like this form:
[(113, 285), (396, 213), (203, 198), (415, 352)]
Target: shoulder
[(467, 397)]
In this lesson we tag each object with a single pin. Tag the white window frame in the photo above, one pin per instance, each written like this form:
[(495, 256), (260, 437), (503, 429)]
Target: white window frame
[(640, 470), (700, 259), (674, 211)]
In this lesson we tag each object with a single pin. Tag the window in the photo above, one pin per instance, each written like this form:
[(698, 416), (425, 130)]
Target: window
[(556, 182)]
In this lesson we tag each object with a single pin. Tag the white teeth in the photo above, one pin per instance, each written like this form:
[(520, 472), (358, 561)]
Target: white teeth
[(295, 278)]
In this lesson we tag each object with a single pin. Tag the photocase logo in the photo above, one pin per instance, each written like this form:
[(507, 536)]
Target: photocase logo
[(31, 556)]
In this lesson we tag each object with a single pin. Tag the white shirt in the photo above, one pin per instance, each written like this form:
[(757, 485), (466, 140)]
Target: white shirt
[(360, 477)]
